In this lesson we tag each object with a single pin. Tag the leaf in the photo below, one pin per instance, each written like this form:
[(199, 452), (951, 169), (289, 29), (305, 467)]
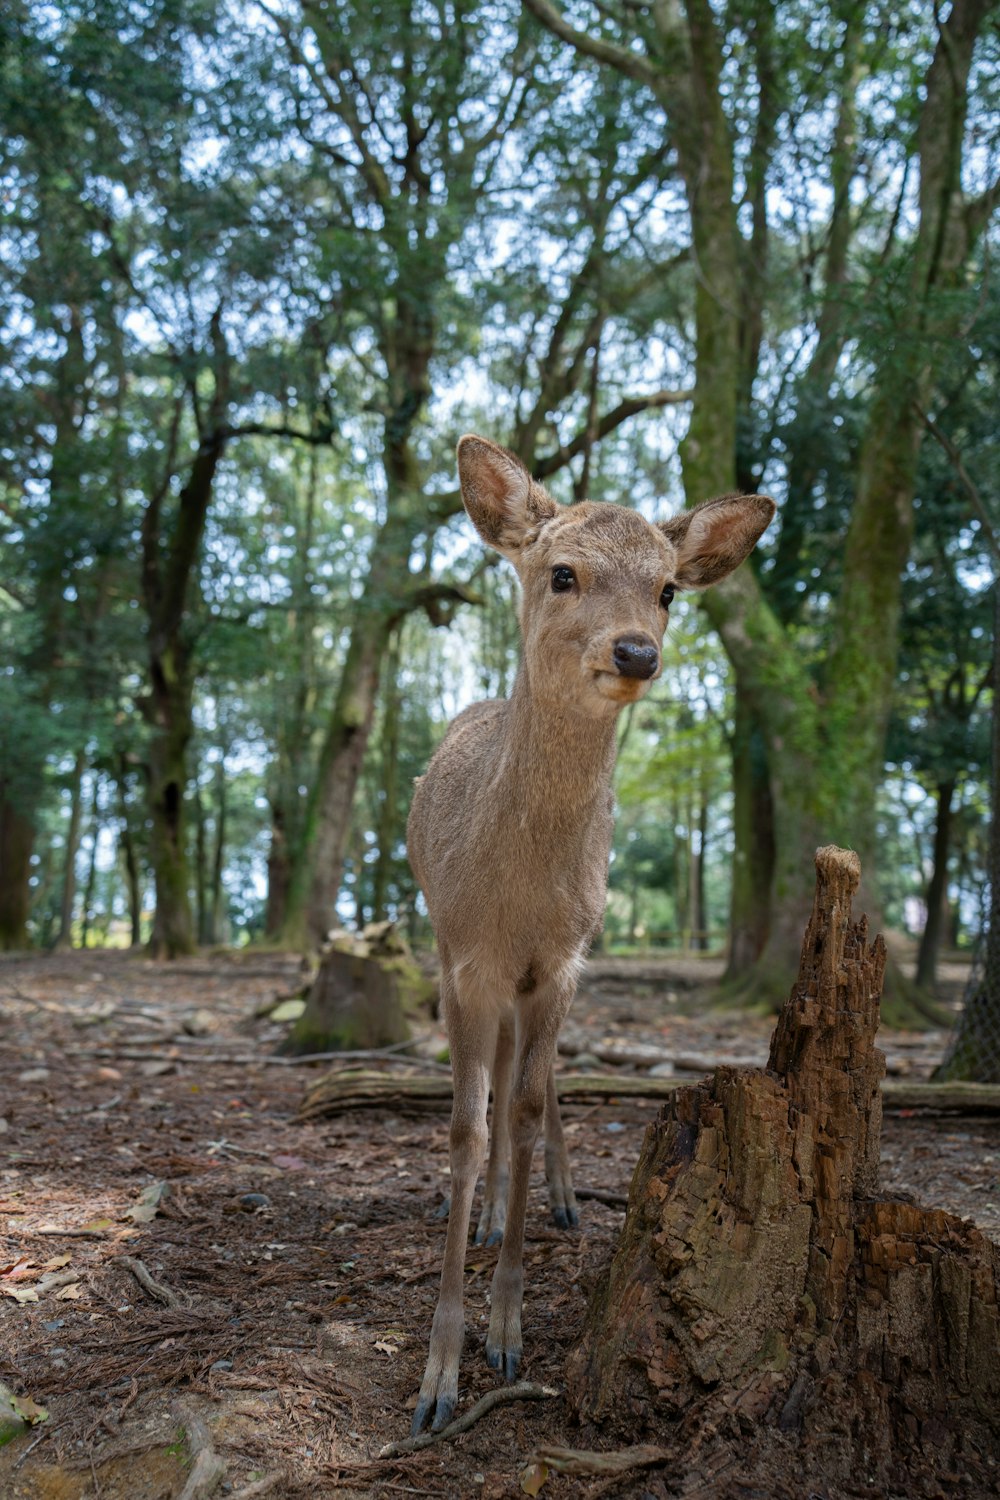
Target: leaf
[(20, 1293), (290, 1163), (57, 1262), (28, 1410), (97, 1226), (385, 1346), (71, 1293), (18, 1269), (288, 1010), (533, 1477), (149, 1202)]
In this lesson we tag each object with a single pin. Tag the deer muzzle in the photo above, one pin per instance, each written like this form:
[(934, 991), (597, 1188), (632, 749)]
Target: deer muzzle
[(636, 656)]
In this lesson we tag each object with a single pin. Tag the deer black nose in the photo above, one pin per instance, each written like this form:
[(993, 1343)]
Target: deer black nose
[(636, 656)]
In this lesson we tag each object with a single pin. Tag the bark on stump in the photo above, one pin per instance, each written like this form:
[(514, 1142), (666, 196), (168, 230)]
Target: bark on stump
[(366, 989), (764, 1302)]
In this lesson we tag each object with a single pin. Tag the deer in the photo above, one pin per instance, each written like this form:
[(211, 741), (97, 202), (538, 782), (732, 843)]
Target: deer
[(509, 837)]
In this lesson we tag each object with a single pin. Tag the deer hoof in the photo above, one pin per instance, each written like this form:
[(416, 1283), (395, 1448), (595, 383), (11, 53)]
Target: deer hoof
[(445, 1412), (443, 1408), (505, 1361)]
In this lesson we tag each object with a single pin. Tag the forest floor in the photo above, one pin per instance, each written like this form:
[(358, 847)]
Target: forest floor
[(157, 1312)]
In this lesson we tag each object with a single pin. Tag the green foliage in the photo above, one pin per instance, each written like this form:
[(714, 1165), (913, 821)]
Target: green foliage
[(332, 238)]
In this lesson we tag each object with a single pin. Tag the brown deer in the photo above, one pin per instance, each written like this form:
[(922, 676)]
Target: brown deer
[(509, 836)]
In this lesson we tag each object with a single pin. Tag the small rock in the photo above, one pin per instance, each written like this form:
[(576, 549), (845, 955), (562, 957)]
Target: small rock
[(255, 1200), (200, 1022), (584, 1061), (662, 1070), (222, 1364), (33, 1075)]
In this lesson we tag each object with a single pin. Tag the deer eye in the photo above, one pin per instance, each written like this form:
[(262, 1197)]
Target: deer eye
[(563, 579), (666, 598)]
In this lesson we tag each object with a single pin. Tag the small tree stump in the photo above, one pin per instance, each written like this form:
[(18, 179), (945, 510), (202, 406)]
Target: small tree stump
[(366, 989), (763, 1298)]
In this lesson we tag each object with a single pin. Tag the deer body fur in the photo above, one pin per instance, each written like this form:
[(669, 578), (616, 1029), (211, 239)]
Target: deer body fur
[(509, 836)]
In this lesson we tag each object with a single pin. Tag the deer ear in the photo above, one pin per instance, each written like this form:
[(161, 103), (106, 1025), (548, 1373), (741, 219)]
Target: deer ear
[(714, 538), (503, 501)]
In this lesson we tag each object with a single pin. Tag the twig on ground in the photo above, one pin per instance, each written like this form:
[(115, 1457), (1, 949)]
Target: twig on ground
[(159, 1292), (30, 1449), (525, 1390), (598, 1195), (248, 1059)]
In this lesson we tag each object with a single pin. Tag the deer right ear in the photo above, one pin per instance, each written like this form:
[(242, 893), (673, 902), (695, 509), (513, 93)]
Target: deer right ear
[(503, 501)]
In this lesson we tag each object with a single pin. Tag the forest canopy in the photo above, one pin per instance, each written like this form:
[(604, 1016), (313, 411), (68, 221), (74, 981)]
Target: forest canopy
[(264, 263)]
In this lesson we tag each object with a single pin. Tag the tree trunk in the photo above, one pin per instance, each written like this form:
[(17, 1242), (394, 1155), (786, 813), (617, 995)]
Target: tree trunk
[(386, 825), (200, 869), (318, 865), (126, 843), (173, 931), (937, 890), (753, 838), (17, 840), (91, 882), (279, 874), (216, 934), (64, 938), (766, 1309)]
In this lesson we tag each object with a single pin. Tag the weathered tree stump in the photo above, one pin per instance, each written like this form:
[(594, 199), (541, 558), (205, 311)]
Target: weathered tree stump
[(765, 1300), (367, 987)]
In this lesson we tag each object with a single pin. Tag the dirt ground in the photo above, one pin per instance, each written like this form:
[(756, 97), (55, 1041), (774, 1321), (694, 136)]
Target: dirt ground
[(188, 1270)]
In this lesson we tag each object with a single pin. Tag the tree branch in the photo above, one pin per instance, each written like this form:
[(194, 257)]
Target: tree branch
[(629, 407), (966, 480), (632, 64)]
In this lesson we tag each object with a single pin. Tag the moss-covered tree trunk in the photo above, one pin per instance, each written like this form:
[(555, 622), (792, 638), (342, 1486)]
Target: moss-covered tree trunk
[(753, 842), (765, 1302), (168, 710), (311, 906)]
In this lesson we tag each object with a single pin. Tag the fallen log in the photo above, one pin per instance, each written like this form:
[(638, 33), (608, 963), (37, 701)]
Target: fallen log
[(348, 1089), (340, 1092), (767, 1309)]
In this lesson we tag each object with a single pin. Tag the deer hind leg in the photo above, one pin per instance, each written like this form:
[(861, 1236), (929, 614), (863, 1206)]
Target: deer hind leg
[(494, 1214), (539, 1017), (562, 1199), (472, 1036)]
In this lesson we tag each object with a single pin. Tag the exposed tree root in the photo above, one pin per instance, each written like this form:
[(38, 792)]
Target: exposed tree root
[(524, 1390)]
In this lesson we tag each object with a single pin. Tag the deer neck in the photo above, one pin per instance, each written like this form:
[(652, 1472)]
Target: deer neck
[(560, 759)]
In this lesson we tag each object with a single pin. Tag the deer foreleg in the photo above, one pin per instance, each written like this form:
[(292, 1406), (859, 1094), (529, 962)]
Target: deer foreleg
[(494, 1214)]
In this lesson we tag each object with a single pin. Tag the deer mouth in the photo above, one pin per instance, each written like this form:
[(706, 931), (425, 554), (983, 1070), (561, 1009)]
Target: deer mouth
[(620, 689)]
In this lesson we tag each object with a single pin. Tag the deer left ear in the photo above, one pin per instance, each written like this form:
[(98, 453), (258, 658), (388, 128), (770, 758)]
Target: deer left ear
[(714, 538)]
